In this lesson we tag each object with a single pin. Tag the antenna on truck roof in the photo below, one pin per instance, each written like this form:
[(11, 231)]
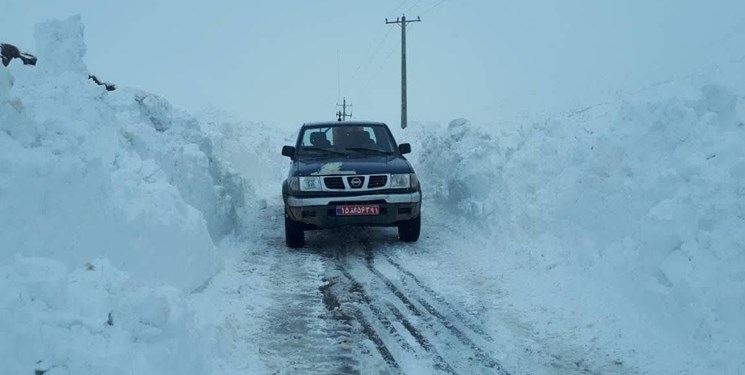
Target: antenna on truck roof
[(342, 115)]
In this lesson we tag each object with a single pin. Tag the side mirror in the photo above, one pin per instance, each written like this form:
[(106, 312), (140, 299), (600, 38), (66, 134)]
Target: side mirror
[(404, 148), (288, 151)]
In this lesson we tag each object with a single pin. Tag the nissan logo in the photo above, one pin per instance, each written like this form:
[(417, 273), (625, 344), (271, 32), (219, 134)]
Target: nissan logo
[(355, 182)]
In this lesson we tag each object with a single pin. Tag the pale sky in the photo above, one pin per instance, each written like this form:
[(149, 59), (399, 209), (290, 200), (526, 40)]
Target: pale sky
[(279, 61)]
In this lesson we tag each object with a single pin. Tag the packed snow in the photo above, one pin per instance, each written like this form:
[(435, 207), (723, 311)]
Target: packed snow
[(617, 228), (111, 203), (624, 219)]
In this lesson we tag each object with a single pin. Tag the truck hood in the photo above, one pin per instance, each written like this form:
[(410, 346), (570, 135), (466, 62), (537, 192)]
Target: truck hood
[(342, 166)]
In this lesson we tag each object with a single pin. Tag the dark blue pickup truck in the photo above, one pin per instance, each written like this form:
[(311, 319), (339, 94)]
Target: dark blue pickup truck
[(349, 173)]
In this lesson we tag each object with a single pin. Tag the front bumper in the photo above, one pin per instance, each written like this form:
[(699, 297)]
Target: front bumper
[(320, 212)]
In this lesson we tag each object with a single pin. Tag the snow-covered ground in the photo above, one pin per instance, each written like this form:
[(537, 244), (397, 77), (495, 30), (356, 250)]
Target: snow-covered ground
[(137, 238)]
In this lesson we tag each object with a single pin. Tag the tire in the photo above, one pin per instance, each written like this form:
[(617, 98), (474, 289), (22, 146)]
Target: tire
[(294, 234), (408, 231)]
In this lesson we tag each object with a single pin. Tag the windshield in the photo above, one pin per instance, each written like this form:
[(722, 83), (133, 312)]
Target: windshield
[(346, 139)]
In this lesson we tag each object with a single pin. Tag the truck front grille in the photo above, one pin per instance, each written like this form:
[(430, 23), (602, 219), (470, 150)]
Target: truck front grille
[(377, 181), (334, 183), (358, 182)]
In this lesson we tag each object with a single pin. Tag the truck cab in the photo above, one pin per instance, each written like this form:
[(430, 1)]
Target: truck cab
[(349, 173)]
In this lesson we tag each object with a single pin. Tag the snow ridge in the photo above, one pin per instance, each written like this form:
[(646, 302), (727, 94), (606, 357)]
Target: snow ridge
[(110, 206), (635, 208)]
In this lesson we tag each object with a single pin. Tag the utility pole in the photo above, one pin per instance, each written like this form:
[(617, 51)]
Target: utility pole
[(403, 21), (342, 115)]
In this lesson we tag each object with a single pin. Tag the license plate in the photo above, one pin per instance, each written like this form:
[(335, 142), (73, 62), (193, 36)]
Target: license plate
[(358, 210)]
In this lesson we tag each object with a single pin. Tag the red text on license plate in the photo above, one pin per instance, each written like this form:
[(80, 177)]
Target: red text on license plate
[(358, 210)]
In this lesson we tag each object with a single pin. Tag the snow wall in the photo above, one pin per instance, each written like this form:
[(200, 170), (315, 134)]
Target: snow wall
[(86, 173), (110, 207), (643, 200)]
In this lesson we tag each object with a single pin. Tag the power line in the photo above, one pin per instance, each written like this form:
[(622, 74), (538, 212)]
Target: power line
[(433, 7), (413, 6), (364, 93), (368, 64), (371, 54), (370, 57), (400, 6), (379, 67)]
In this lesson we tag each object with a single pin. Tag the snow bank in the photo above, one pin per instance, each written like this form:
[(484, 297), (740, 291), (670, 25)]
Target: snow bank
[(93, 320), (461, 169), (638, 207), (122, 175), (110, 205), (652, 204), (252, 151)]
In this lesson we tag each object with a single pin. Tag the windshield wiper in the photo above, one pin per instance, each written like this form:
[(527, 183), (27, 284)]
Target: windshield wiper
[(324, 150), (368, 149)]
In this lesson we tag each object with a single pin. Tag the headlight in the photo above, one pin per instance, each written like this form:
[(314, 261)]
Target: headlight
[(310, 183), (414, 180), (399, 181), (294, 183)]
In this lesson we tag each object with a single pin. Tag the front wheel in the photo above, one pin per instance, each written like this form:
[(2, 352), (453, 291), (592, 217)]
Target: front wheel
[(408, 231), (294, 234)]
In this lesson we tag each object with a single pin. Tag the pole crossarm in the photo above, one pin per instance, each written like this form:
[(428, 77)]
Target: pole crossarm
[(403, 20)]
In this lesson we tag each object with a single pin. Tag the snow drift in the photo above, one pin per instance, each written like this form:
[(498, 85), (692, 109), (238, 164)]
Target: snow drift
[(120, 175), (93, 319), (638, 205), (110, 206)]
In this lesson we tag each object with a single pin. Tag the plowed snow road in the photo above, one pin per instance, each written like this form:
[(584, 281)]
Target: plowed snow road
[(349, 302)]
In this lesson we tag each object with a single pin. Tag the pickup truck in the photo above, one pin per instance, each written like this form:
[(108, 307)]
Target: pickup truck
[(349, 173)]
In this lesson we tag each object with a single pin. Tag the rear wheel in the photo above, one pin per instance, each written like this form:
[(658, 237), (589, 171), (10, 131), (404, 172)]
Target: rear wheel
[(294, 234), (408, 231)]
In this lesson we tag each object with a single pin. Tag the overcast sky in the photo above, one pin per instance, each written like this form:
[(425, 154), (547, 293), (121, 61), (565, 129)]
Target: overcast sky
[(279, 61)]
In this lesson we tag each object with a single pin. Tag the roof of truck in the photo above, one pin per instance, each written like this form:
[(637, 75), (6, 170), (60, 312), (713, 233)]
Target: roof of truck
[(343, 123)]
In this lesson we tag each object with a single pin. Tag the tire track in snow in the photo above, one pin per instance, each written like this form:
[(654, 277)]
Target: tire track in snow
[(413, 316), (465, 320), (301, 336), (367, 328), (296, 332), (373, 336), (480, 354), (440, 363), (367, 260)]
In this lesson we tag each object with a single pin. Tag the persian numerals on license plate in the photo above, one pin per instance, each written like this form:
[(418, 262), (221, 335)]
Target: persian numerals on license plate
[(358, 210)]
